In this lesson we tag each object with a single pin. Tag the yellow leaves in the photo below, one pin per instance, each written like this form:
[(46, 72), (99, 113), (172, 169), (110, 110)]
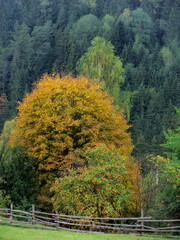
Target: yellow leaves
[(64, 115)]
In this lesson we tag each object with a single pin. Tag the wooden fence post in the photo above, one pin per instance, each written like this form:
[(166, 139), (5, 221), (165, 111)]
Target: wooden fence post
[(142, 215), (91, 225), (57, 219), (11, 213), (33, 214)]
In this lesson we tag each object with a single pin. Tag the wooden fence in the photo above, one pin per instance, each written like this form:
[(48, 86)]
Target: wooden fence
[(86, 223)]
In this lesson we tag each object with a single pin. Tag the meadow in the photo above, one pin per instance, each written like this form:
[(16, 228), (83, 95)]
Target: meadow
[(19, 233)]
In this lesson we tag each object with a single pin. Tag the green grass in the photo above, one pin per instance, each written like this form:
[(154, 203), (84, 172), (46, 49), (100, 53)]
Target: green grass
[(19, 233)]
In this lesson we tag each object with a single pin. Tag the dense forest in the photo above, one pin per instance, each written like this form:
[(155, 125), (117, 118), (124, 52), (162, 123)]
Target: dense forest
[(141, 40)]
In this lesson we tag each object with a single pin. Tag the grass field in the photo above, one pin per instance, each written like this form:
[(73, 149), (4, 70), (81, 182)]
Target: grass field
[(19, 233)]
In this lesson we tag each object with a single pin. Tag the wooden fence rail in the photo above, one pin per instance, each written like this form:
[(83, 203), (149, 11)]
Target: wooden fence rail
[(86, 223)]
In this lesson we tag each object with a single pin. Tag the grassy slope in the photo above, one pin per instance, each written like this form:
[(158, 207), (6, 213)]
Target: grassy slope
[(18, 233)]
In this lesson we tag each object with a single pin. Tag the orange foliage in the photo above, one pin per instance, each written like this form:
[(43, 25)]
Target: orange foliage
[(62, 117)]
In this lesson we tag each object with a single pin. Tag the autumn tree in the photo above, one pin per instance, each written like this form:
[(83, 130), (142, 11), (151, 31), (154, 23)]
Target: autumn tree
[(61, 118), (107, 186)]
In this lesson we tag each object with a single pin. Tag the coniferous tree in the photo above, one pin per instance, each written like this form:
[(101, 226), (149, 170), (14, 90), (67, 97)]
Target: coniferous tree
[(20, 64)]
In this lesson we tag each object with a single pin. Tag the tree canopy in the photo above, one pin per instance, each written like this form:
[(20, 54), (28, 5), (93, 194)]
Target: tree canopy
[(60, 119), (100, 62), (64, 116), (108, 186)]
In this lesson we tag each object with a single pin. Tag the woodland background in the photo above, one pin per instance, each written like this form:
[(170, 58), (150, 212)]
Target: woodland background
[(46, 36)]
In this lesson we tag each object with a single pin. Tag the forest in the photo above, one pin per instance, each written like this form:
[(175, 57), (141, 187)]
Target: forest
[(56, 135)]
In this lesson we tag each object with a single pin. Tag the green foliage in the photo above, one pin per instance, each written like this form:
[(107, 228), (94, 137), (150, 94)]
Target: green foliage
[(4, 200), (20, 64), (141, 25), (161, 186), (53, 35), (126, 102), (101, 63), (173, 26), (108, 186), (41, 50), (4, 109), (173, 139), (107, 26), (16, 172), (173, 142), (81, 34), (167, 57), (121, 35), (162, 183), (89, 3), (85, 27), (45, 36)]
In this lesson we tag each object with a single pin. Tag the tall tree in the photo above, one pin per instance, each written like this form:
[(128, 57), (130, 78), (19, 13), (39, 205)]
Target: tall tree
[(107, 26), (83, 31), (20, 65), (141, 25), (7, 18), (173, 29), (41, 49), (4, 71), (61, 118), (100, 62)]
